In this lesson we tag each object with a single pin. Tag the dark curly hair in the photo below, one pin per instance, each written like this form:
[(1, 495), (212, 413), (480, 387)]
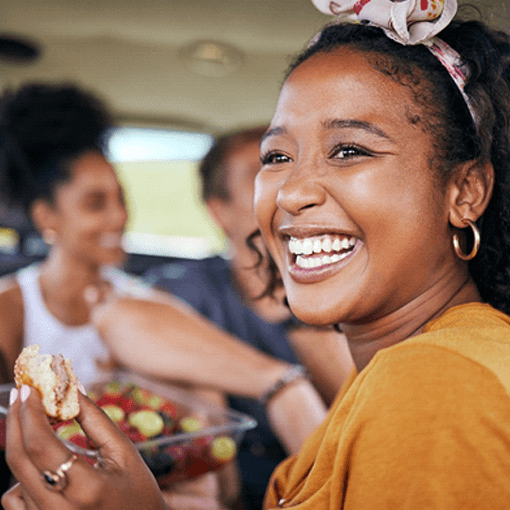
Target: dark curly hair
[(213, 168), (486, 53), (43, 129)]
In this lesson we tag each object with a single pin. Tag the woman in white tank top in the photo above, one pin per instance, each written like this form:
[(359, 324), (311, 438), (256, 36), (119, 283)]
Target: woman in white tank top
[(54, 167)]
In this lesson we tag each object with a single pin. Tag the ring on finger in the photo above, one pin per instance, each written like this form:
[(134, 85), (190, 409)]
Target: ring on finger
[(57, 480)]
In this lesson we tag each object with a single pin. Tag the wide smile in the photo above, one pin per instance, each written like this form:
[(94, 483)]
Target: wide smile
[(318, 255), (314, 252)]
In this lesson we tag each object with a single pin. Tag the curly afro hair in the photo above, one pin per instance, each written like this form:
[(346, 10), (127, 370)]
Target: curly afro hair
[(43, 129)]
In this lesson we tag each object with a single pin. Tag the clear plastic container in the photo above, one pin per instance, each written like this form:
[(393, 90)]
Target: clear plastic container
[(172, 454)]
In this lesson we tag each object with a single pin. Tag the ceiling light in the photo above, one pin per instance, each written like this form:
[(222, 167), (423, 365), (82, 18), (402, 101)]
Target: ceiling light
[(211, 58)]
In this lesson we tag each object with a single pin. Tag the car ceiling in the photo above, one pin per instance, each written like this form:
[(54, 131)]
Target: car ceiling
[(133, 53)]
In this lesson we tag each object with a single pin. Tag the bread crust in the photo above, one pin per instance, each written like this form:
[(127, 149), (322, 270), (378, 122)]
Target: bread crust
[(58, 388)]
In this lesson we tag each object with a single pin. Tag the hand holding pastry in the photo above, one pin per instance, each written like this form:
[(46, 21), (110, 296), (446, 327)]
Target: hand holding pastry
[(52, 477)]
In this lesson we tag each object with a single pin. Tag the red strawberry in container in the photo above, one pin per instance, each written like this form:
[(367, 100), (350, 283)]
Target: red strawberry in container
[(132, 432), (169, 409), (199, 446), (82, 441), (127, 404), (107, 399)]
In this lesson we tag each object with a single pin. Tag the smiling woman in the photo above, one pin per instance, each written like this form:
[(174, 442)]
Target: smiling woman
[(390, 142), (53, 139), (334, 175), (372, 166)]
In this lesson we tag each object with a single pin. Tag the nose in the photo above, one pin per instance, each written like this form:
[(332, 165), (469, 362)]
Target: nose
[(301, 190), (119, 215)]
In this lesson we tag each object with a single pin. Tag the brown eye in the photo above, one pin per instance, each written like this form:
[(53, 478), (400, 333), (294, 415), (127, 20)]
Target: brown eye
[(348, 152), (96, 203), (274, 158)]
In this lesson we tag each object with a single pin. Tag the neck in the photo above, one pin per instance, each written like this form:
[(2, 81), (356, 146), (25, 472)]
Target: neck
[(63, 279), (409, 320), (67, 275)]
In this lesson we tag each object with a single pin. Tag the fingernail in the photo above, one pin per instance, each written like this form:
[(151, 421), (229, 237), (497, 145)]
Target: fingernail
[(81, 388), (13, 395), (24, 392), (91, 294)]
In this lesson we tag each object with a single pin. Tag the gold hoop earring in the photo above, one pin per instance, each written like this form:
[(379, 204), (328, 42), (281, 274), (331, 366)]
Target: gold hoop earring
[(49, 236), (476, 241)]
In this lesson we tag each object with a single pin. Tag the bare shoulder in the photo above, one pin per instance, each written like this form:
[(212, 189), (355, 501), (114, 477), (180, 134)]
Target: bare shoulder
[(10, 294), (11, 320)]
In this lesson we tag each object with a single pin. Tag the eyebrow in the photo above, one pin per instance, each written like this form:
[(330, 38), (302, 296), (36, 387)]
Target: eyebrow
[(355, 124), (335, 124), (273, 132)]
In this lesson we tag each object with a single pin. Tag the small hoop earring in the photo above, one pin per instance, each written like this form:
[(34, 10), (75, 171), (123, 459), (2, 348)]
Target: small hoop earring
[(49, 236), (476, 241)]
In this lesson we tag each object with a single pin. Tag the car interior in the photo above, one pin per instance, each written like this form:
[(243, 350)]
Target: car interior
[(174, 73)]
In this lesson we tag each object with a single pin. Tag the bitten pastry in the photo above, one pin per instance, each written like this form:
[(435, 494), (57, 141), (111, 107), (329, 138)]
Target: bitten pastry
[(53, 377)]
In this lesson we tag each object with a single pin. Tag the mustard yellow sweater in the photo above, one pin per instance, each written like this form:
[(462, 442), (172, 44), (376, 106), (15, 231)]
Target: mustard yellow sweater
[(426, 425)]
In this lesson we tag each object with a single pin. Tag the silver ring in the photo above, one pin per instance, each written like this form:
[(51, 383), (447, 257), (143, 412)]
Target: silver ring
[(57, 480)]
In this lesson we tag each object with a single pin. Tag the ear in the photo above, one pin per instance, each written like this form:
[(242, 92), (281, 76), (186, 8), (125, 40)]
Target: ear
[(470, 191), (42, 215), (218, 210)]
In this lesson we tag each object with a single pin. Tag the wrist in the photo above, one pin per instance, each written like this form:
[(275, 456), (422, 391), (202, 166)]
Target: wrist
[(266, 376), (292, 375)]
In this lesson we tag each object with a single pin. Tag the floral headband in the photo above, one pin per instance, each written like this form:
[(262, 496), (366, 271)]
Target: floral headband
[(408, 22)]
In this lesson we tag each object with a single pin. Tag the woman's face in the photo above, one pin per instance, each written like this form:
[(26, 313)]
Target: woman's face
[(242, 166), (346, 200), (89, 211)]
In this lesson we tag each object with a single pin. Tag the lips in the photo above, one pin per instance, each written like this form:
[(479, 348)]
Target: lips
[(319, 251)]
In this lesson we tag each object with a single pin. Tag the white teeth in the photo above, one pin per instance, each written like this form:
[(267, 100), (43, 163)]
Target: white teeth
[(316, 245), (302, 262), (311, 263), (307, 246)]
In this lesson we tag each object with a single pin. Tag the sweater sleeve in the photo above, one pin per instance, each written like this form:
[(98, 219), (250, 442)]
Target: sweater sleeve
[(429, 428)]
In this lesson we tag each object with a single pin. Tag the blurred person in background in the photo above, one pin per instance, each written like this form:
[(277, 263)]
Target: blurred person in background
[(53, 165), (226, 290)]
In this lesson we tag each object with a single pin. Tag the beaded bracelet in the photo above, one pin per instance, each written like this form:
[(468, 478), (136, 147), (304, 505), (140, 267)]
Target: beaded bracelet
[(295, 372)]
